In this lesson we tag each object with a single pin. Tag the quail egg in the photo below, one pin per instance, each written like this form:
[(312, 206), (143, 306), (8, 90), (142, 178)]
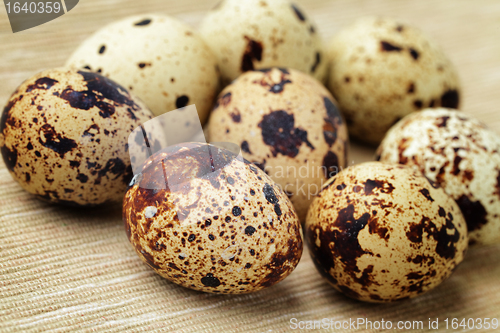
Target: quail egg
[(253, 34), (461, 155), (382, 69), (286, 123), (63, 136), (207, 220), (381, 232), (161, 60)]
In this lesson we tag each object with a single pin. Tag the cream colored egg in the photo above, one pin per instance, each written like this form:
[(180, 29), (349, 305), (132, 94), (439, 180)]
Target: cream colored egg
[(380, 232), (288, 124), (382, 69), (210, 221), (461, 155), (161, 60), (253, 34), (64, 134)]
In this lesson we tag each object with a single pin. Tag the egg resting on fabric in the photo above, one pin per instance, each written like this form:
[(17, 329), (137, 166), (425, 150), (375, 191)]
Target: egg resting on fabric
[(63, 136), (381, 232), (218, 224)]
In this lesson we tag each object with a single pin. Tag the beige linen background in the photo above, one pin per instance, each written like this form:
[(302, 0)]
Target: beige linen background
[(65, 269)]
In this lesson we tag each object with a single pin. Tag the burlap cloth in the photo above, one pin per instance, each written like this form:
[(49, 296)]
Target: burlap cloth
[(63, 269)]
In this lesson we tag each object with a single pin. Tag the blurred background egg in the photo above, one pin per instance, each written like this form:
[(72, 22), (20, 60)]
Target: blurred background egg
[(162, 60), (382, 69), (253, 34), (458, 153)]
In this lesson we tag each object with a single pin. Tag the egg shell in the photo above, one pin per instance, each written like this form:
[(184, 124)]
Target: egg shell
[(220, 224), (253, 34), (288, 124), (461, 155), (382, 69), (162, 60), (63, 136), (380, 232)]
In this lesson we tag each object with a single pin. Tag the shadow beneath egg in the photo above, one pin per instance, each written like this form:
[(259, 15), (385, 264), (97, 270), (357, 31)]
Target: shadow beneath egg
[(360, 153), (441, 302), (271, 297), (306, 296), (98, 214)]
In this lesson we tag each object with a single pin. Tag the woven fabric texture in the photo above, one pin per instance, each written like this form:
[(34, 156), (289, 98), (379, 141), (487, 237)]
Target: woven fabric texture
[(64, 269)]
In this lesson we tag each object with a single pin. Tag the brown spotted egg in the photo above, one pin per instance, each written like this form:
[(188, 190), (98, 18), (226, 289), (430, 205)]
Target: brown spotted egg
[(63, 136), (461, 155), (253, 34), (381, 232), (382, 69), (160, 59), (207, 220), (288, 124)]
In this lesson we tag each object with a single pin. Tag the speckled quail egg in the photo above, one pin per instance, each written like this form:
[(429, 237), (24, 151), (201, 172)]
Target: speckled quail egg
[(63, 136), (461, 155), (253, 34), (161, 60), (286, 123), (380, 232), (381, 70), (208, 221)]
